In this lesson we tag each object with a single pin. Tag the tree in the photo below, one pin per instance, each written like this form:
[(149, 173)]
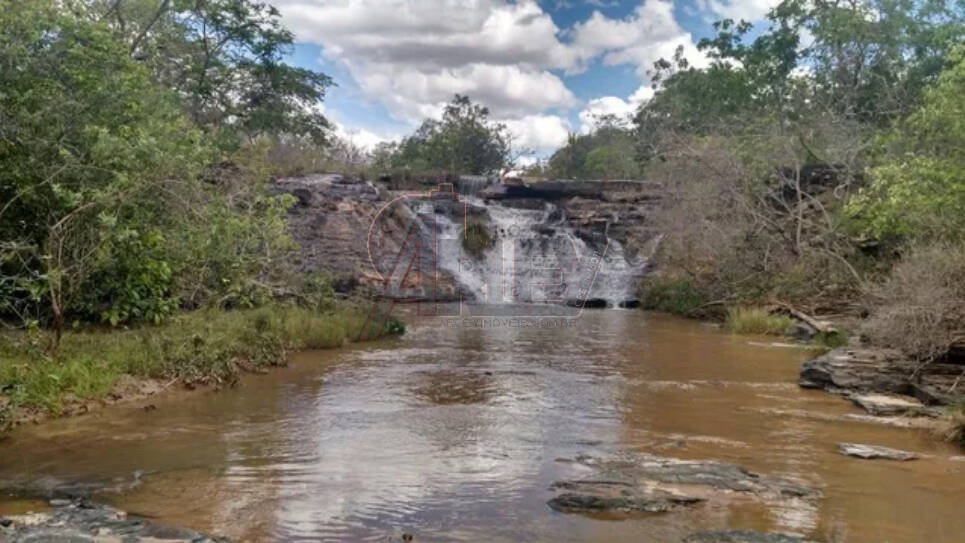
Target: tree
[(918, 191), (605, 153), (85, 139), (463, 141), (225, 58), (109, 209)]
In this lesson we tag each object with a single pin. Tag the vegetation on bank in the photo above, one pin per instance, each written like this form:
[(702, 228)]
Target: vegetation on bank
[(138, 234), (209, 346), (823, 173)]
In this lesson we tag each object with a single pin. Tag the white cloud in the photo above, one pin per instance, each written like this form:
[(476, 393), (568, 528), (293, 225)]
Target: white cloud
[(651, 32), (362, 138), (540, 133), (414, 55), (748, 10), (622, 109)]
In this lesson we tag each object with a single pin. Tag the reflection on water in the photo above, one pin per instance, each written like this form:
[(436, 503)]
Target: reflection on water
[(455, 433)]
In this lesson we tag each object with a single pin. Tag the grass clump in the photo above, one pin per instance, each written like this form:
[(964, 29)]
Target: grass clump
[(206, 347), (756, 320), (953, 429)]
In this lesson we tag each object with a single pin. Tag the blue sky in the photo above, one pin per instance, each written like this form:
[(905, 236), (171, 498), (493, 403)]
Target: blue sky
[(544, 68)]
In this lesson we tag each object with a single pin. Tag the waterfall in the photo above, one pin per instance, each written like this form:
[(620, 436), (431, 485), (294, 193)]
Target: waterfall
[(534, 255)]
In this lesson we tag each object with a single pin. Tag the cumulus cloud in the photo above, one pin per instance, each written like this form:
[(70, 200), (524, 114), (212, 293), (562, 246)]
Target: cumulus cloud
[(649, 33), (539, 133), (614, 106), (748, 10), (414, 55)]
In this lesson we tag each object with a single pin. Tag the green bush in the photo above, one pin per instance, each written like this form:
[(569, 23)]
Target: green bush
[(756, 320), (677, 296), (477, 237)]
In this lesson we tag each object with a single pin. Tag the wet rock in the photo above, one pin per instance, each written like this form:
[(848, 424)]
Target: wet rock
[(81, 521), (880, 371), (615, 496), (743, 536), (648, 483), (871, 452), (889, 405)]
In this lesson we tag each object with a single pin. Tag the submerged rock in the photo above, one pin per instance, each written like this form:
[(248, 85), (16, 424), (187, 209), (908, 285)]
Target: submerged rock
[(647, 483), (80, 521), (871, 452), (744, 536)]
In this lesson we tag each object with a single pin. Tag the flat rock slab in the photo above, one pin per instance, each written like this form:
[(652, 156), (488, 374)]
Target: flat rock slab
[(614, 496), (82, 522), (872, 452), (889, 404), (648, 483), (744, 536), (881, 371)]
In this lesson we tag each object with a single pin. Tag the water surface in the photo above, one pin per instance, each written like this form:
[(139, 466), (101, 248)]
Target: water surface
[(457, 434)]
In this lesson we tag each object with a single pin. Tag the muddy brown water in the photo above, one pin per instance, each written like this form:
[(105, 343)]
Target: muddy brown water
[(456, 434)]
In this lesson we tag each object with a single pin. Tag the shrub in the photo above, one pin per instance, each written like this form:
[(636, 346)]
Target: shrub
[(677, 296), (477, 238), (920, 307), (756, 320)]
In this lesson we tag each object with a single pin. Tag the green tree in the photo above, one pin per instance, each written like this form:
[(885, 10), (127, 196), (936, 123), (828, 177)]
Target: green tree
[(465, 140), (918, 192), (225, 58)]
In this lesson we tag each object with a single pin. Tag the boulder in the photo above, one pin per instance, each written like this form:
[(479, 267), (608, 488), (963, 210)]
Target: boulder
[(872, 452)]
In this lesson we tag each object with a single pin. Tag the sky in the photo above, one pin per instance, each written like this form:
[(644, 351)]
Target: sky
[(545, 68)]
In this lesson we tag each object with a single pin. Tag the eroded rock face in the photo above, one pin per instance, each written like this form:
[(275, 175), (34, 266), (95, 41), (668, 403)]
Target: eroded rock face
[(648, 483), (871, 452), (743, 536), (80, 521)]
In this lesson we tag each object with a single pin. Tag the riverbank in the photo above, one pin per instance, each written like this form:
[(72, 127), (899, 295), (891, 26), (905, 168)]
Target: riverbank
[(211, 348)]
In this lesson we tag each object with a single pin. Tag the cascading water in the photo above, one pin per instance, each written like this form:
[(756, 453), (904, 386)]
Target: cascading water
[(534, 254)]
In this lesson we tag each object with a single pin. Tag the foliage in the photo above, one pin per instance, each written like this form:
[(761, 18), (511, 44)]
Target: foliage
[(671, 295), (116, 208), (465, 140), (918, 192), (605, 153), (757, 320), (225, 58)]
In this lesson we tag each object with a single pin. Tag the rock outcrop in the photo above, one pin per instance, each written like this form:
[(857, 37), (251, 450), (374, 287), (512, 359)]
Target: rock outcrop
[(865, 370), (80, 521), (646, 483)]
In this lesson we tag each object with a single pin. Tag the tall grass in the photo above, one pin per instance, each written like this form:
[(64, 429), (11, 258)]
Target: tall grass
[(756, 320), (209, 346), (953, 429)]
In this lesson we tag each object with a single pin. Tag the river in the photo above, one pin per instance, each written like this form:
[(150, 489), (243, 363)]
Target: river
[(457, 433)]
